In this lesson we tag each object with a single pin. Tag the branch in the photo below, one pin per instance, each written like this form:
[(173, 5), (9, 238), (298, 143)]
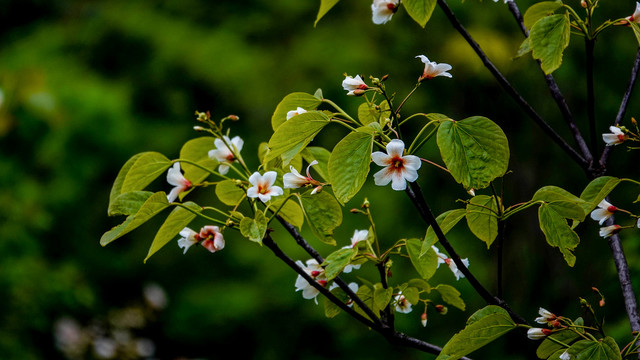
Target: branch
[(623, 106), (511, 90), (415, 194)]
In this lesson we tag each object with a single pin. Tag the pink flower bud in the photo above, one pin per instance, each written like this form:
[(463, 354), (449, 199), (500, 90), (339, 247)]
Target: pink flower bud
[(423, 319)]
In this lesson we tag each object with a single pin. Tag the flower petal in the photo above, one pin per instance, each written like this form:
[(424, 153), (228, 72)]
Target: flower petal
[(382, 177), (395, 147)]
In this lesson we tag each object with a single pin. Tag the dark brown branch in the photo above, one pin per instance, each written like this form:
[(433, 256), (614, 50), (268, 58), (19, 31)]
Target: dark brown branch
[(506, 85)]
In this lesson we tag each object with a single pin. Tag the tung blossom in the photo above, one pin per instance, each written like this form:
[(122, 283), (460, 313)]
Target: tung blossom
[(616, 136), (263, 187), (354, 86), (443, 259), (402, 304), (538, 333), (295, 112), (545, 316), (433, 69), (212, 239), (603, 212), (189, 238), (294, 180), (398, 168), (179, 182), (607, 231), (223, 154), (636, 15), (316, 272), (358, 235), (383, 10)]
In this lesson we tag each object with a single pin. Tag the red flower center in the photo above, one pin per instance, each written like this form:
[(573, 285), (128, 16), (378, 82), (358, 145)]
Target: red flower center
[(392, 7), (397, 162)]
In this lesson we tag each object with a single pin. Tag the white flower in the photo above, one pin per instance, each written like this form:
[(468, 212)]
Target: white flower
[(433, 69), (638, 224), (263, 187), (636, 15), (155, 296), (189, 238), (314, 270), (212, 238), (359, 235), (295, 112), (383, 10), (545, 316), (294, 180), (223, 154), (616, 136), (443, 259), (398, 168), (505, 1), (604, 211), (402, 304), (607, 231), (565, 355), (180, 183), (537, 333), (351, 84), (423, 319)]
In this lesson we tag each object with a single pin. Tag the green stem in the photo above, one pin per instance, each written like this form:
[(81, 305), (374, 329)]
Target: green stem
[(200, 167), (342, 112), (199, 213)]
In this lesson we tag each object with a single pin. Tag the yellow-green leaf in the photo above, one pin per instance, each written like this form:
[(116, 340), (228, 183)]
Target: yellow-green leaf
[(349, 164), (147, 167), (549, 37), (292, 136), (177, 220), (420, 10), (292, 102)]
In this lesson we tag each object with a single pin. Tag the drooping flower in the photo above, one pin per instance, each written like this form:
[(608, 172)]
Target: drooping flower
[(636, 15), (443, 259), (565, 355), (538, 333), (402, 304), (545, 316), (423, 319), (293, 179), (351, 84), (295, 112), (179, 182), (603, 212), (383, 10), (398, 168), (316, 272), (616, 136), (189, 238), (607, 231), (433, 69), (212, 238), (223, 154), (263, 187)]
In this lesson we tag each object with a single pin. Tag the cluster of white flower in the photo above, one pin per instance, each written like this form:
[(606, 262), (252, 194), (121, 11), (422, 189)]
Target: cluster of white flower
[(546, 318), (604, 211)]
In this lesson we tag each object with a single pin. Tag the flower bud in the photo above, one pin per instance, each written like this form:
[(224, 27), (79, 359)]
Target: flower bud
[(423, 319), (233, 117), (601, 303), (583, 4), (442, 309), (366, 203), (471, 192), (199, 128), (359, 92), (384, 78), (538, 333), (634, 122)]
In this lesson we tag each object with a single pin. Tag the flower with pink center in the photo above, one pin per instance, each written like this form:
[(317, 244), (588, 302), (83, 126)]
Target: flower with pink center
[(443, 259), (212, 238), (398, 168), (433, 69), (603, 212), (294, 180), (180, 183), (223, 154), (615, 137), (545, 316), (607, 231), (383, 10), (636, 15), (316, 272), (402, 304), (189, 238), (295, 112), (263, 187), (354, 86)]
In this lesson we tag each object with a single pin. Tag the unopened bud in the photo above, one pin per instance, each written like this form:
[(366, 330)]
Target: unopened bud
[(389, 273), (384, 78), (354, 211), (201, 116), (633, 121), (471, 192), (365, 203), (316, 190), (423, 319), (199, 128), (583, 4), (229, 223), (234, 117), (601, 303), (442, 309), (359, 92)]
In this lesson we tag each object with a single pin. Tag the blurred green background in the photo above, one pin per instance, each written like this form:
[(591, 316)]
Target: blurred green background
[(87, 84)]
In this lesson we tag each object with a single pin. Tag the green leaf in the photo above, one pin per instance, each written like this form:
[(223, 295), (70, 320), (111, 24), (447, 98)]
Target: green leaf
[(366, 295), (381, 297), (524, 48), (336, 262), (483, 327), (292, 136), (420, 284), (549, 37), (636, 30), (597, 190), (447, 220), (323, 214), (332, 310), (349, 164), (539, 10), (290, 212), (254, 229), (128, 203), (325, 6), (292, 102), (154, 204), (116, 189), (451, 296), (197, 150), (562, 201), (420, 10), (549, 346), (229, 192), (144, 170), (321, 155), (368, 114), (606, 349), (558, 233), (177, 220), (482, 218), (475, 150), (425, 264), (412, 295)]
